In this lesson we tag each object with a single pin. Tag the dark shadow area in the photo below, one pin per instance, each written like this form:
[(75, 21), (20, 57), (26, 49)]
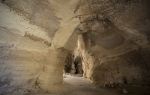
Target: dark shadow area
[(73, 65)]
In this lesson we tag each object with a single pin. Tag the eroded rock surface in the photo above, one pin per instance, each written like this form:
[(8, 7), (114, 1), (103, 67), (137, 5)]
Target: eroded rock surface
[(110, 36), (114, 41)]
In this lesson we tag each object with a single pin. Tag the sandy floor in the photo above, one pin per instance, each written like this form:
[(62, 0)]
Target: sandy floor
[(81, 86), (75, 85)]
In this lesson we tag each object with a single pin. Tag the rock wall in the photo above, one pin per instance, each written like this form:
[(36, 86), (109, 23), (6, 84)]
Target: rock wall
[(114, 38), (28, 61), (37, 12), (36, 36)]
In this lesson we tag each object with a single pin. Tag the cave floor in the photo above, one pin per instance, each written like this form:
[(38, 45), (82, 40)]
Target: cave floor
[(75, 85), (81, 86)]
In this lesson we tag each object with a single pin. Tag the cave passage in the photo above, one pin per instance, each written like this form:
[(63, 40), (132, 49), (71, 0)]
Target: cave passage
[(74, 47), (73, 65)]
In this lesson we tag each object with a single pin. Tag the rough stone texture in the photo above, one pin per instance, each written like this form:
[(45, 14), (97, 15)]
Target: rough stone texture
[(36, 36), (27, 61), (65, 36), (114, 40), (38, 12)]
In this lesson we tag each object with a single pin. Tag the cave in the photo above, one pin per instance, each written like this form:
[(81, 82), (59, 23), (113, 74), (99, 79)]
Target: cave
[(74, 47), (73, 65)]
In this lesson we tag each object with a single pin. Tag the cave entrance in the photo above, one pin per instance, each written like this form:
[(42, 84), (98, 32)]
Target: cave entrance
[(73, 65)]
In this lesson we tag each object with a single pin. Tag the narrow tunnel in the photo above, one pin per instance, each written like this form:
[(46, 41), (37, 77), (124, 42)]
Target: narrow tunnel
[(74, 47), (73, 65)]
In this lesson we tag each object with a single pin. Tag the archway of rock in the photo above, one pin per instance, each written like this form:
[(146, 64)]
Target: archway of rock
[(38, 41)]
